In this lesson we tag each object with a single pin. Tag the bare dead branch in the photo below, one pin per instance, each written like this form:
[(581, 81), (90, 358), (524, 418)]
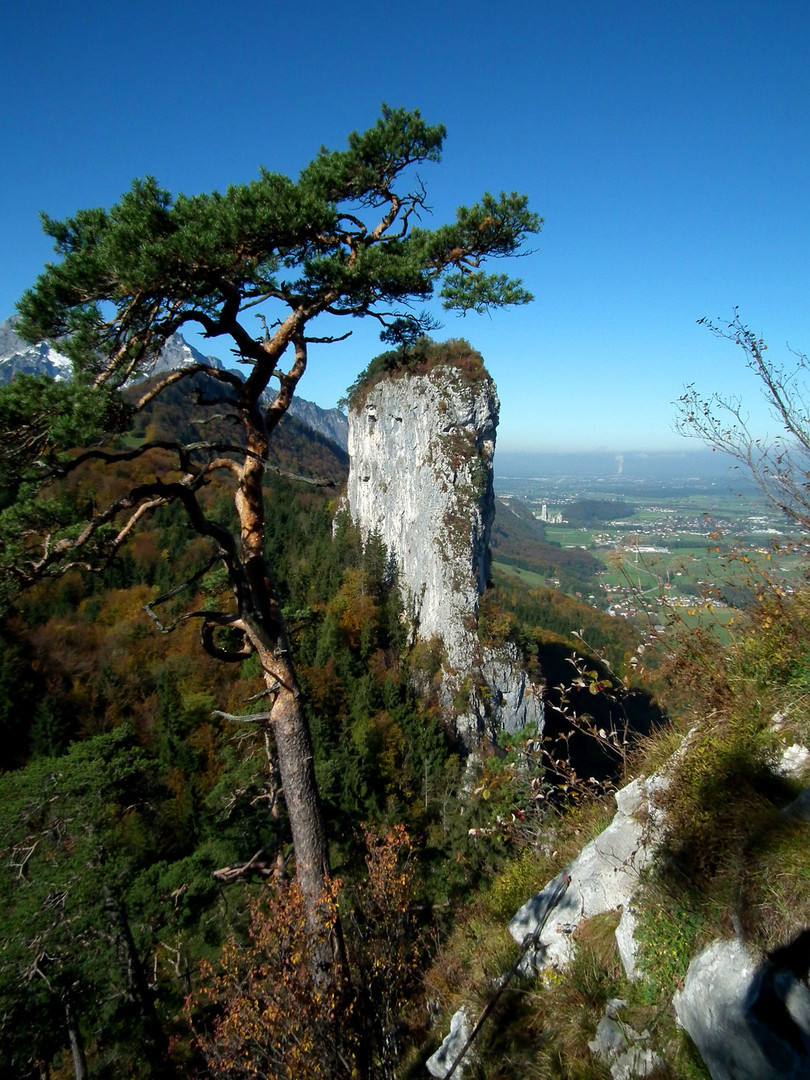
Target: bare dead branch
[(328, 340), (238, 870), (242, 718)]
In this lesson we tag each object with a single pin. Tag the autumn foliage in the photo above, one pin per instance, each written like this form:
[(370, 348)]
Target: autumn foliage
[(265, 1011), (270, 1017)]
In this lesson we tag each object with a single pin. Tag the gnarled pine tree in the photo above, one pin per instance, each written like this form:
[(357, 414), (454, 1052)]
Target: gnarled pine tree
[(341, 241)]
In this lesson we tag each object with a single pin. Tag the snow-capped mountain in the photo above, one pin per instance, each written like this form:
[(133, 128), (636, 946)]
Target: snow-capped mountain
[(177, 353), (17, 357)]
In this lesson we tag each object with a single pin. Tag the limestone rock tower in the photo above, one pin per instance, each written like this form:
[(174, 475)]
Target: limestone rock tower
[(421, 446)]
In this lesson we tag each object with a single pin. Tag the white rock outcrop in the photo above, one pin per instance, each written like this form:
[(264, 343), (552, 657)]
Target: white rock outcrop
[(444, 1059), (421, 449), (604, 877), (626, 1052)]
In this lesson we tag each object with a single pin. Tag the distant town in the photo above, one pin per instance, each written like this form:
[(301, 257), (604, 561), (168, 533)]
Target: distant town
[(689, 548)]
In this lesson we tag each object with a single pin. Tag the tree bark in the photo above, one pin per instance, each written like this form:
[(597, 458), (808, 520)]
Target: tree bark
[(76, 1048)]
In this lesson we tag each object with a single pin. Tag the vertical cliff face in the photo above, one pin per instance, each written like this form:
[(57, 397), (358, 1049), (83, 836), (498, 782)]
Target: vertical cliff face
[(421, 449)]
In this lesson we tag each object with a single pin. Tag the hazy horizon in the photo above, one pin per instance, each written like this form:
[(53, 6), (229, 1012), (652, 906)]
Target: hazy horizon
[(693, 463)]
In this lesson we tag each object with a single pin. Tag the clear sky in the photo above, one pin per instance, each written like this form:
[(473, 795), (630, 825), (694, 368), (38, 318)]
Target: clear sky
[(667, 146)]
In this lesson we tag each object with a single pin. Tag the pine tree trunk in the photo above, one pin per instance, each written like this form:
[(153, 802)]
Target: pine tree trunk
[(297, 770)]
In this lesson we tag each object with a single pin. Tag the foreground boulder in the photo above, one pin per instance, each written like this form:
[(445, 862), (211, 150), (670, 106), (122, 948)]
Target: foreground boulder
[(749, 1018)]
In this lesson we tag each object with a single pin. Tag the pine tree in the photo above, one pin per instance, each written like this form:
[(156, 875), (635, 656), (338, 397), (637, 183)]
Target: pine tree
[(340, 242)]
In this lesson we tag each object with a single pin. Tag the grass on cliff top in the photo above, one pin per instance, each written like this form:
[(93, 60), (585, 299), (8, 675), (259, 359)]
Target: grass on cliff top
[(420, 358)]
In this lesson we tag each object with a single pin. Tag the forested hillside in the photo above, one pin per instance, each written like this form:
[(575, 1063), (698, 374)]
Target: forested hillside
[(519, 539), (141, 806), (234, 819)]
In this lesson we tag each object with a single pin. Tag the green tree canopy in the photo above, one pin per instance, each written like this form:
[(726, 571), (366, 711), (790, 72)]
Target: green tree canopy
[(71, 841), (342, 240)]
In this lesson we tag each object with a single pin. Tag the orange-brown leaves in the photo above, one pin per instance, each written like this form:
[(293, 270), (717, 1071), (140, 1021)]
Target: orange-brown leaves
[(271, 1015)]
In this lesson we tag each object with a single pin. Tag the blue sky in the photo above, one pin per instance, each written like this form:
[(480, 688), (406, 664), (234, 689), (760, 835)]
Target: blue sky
[(667, 146)]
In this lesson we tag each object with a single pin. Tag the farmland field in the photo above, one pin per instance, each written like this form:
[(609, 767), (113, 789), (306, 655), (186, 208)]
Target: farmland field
[(697, 554)]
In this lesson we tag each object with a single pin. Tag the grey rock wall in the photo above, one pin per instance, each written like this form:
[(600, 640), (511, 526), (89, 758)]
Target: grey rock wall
[(421, 449), (511, 701), (749, 1016)]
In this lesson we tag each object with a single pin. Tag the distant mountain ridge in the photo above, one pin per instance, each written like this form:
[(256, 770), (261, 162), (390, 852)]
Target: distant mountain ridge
[(177, 353), (331, 423), (18, 357)]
